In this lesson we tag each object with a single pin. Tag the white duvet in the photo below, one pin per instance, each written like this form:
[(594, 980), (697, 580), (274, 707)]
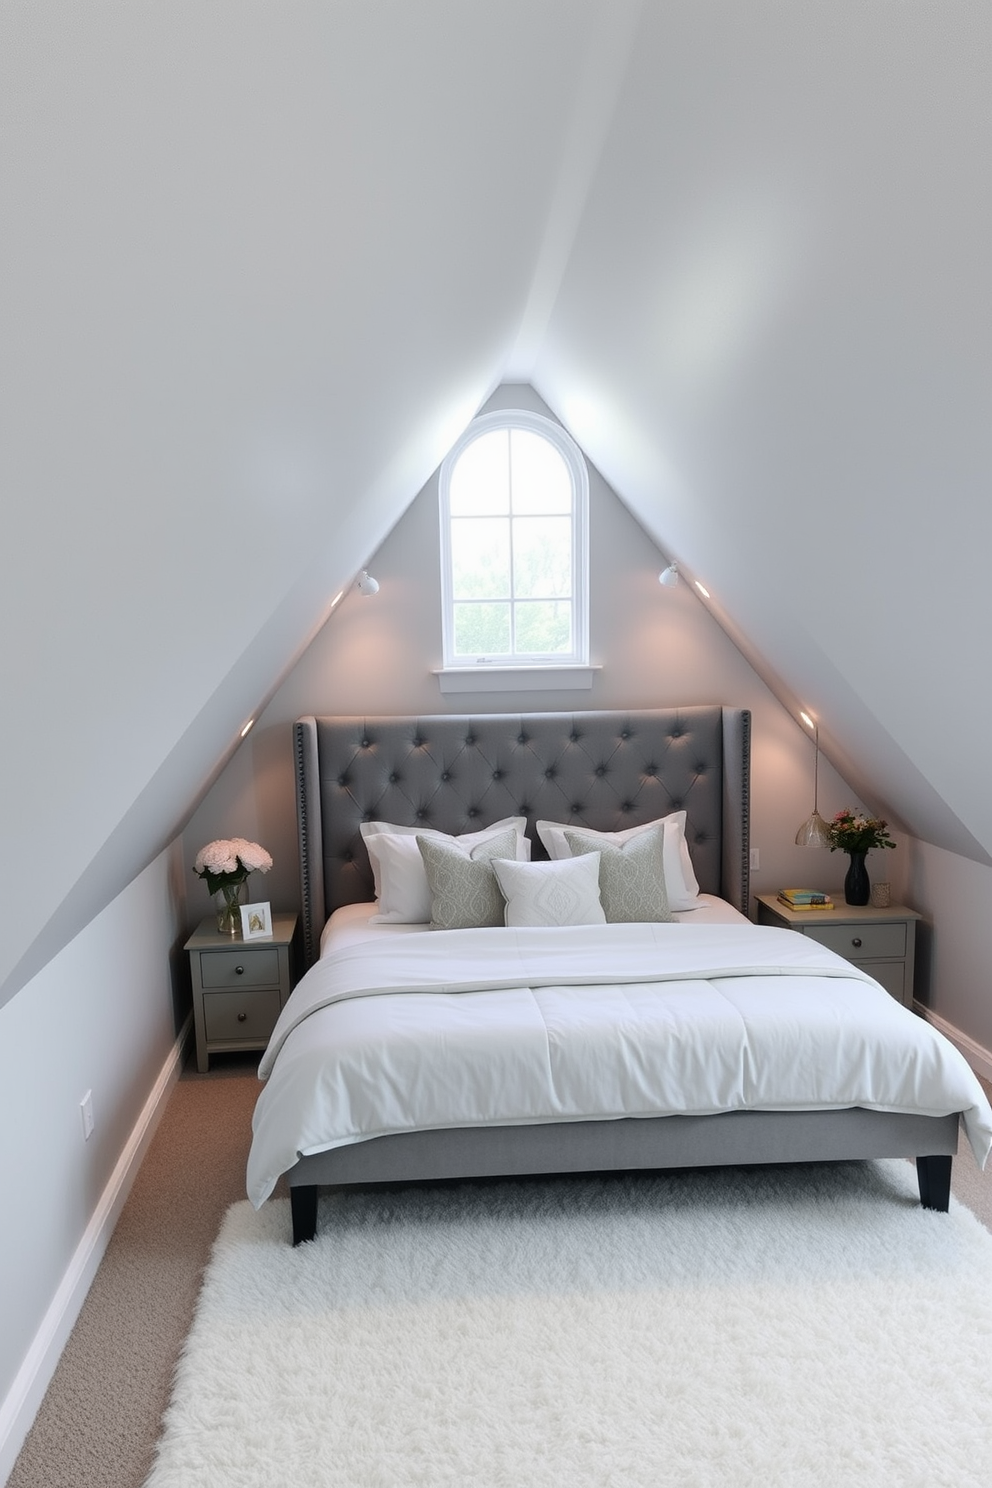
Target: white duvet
[(497, 1027)]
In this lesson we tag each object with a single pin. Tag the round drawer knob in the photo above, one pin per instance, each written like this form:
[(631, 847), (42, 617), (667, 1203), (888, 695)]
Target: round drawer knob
[(240, 971), (856, 942), (242, 1017)]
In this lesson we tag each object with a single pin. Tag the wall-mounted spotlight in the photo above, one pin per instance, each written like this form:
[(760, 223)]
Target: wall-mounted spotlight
[(366, 584), (669, 576)]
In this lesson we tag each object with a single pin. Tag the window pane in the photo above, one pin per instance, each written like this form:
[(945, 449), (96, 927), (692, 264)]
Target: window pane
[(542, 557), (540, 478), (480, 481), (480, 558), (543, 626), (482, 629)]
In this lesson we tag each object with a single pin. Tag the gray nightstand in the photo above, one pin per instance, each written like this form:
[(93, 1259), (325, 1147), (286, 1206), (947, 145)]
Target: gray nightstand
[(239, 986), (881, 941)]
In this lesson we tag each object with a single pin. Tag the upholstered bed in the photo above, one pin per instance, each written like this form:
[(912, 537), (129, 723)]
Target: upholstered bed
[(595, 772)]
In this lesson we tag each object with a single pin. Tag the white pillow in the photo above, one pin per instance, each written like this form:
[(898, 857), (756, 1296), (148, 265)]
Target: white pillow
[(555, 893), (398, 868), (680, 880)]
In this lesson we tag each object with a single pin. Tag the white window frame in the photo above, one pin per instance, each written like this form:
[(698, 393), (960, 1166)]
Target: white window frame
[(461, 673)]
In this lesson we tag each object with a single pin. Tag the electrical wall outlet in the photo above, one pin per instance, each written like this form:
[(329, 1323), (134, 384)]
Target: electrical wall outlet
[(755, 858), (86, 1115)]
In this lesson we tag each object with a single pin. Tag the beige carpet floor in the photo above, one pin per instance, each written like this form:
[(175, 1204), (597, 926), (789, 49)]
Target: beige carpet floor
[(100, 1417)]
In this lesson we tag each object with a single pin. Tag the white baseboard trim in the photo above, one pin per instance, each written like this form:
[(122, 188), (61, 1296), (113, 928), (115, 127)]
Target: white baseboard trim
[(977, 1056), (24, 1398)]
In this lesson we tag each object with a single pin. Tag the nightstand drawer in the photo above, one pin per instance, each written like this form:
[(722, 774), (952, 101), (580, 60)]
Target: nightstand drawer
[(861, 942), (257, 968), (240, 1015)]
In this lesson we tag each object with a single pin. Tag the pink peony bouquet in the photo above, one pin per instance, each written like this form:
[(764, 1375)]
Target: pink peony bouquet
[(229, 861)]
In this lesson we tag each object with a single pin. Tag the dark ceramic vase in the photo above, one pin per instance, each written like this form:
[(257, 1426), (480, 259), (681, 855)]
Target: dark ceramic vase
[(857, 889)]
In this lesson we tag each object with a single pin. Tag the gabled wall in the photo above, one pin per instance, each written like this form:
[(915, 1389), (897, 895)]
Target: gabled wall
[(655, 647)]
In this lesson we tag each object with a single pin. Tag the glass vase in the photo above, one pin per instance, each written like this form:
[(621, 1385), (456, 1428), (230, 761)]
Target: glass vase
[(227, 902), (857, 888)]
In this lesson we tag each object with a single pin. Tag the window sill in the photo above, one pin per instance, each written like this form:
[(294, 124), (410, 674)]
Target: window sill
[(570, 678)]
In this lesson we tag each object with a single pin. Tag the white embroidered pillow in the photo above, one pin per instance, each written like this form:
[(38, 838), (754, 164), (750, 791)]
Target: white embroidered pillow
[(631, 876), (680, 879), (401, 888), (562, 893)]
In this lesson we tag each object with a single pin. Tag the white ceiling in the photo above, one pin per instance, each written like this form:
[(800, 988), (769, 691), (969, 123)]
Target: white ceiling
[(261, 263)]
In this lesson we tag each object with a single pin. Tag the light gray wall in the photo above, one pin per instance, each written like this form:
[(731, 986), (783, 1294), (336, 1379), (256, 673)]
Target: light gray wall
[(100, 1017), (956, 943)]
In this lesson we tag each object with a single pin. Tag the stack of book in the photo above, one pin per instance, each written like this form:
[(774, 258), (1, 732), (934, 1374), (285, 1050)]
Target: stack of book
[(805, 899)]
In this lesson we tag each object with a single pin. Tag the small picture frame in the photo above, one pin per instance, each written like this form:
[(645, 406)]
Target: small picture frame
[(256, 921)]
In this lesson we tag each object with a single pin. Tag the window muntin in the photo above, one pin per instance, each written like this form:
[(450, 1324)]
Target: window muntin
[(514, 505)]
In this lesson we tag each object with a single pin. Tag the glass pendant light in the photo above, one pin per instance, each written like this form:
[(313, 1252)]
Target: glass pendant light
[(814, 831)]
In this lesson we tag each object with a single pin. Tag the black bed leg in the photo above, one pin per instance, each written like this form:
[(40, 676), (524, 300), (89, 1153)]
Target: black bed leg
[(303, 1203), (934, 1174)]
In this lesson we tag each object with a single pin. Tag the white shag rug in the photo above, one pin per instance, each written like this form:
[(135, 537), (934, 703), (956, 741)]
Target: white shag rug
[(720, 1329)]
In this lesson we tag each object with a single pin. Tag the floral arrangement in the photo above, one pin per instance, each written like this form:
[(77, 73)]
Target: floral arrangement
[(858, 834), (228, 862)]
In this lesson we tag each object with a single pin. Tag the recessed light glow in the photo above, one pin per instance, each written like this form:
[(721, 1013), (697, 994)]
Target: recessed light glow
[(247, 727), (702, 589), (806, 719), (337, 598)]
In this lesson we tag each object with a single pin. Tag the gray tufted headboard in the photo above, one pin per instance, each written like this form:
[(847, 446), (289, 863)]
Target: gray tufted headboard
[(605, 770)]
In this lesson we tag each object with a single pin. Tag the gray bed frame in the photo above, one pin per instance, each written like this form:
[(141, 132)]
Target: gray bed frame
[(608, 771)]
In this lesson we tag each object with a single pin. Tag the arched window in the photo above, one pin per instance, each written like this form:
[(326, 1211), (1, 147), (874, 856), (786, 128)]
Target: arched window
[(514, 498)]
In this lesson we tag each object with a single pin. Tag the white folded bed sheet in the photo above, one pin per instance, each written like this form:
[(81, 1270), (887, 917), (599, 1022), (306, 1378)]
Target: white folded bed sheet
[(495, 1027), (353, 922)]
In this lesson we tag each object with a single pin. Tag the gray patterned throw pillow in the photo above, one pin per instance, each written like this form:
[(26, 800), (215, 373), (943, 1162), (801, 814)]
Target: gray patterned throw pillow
[(631, 876), (464, 890)]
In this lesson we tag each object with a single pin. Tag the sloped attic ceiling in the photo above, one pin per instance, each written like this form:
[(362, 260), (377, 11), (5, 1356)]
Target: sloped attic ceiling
[(262, 263)]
